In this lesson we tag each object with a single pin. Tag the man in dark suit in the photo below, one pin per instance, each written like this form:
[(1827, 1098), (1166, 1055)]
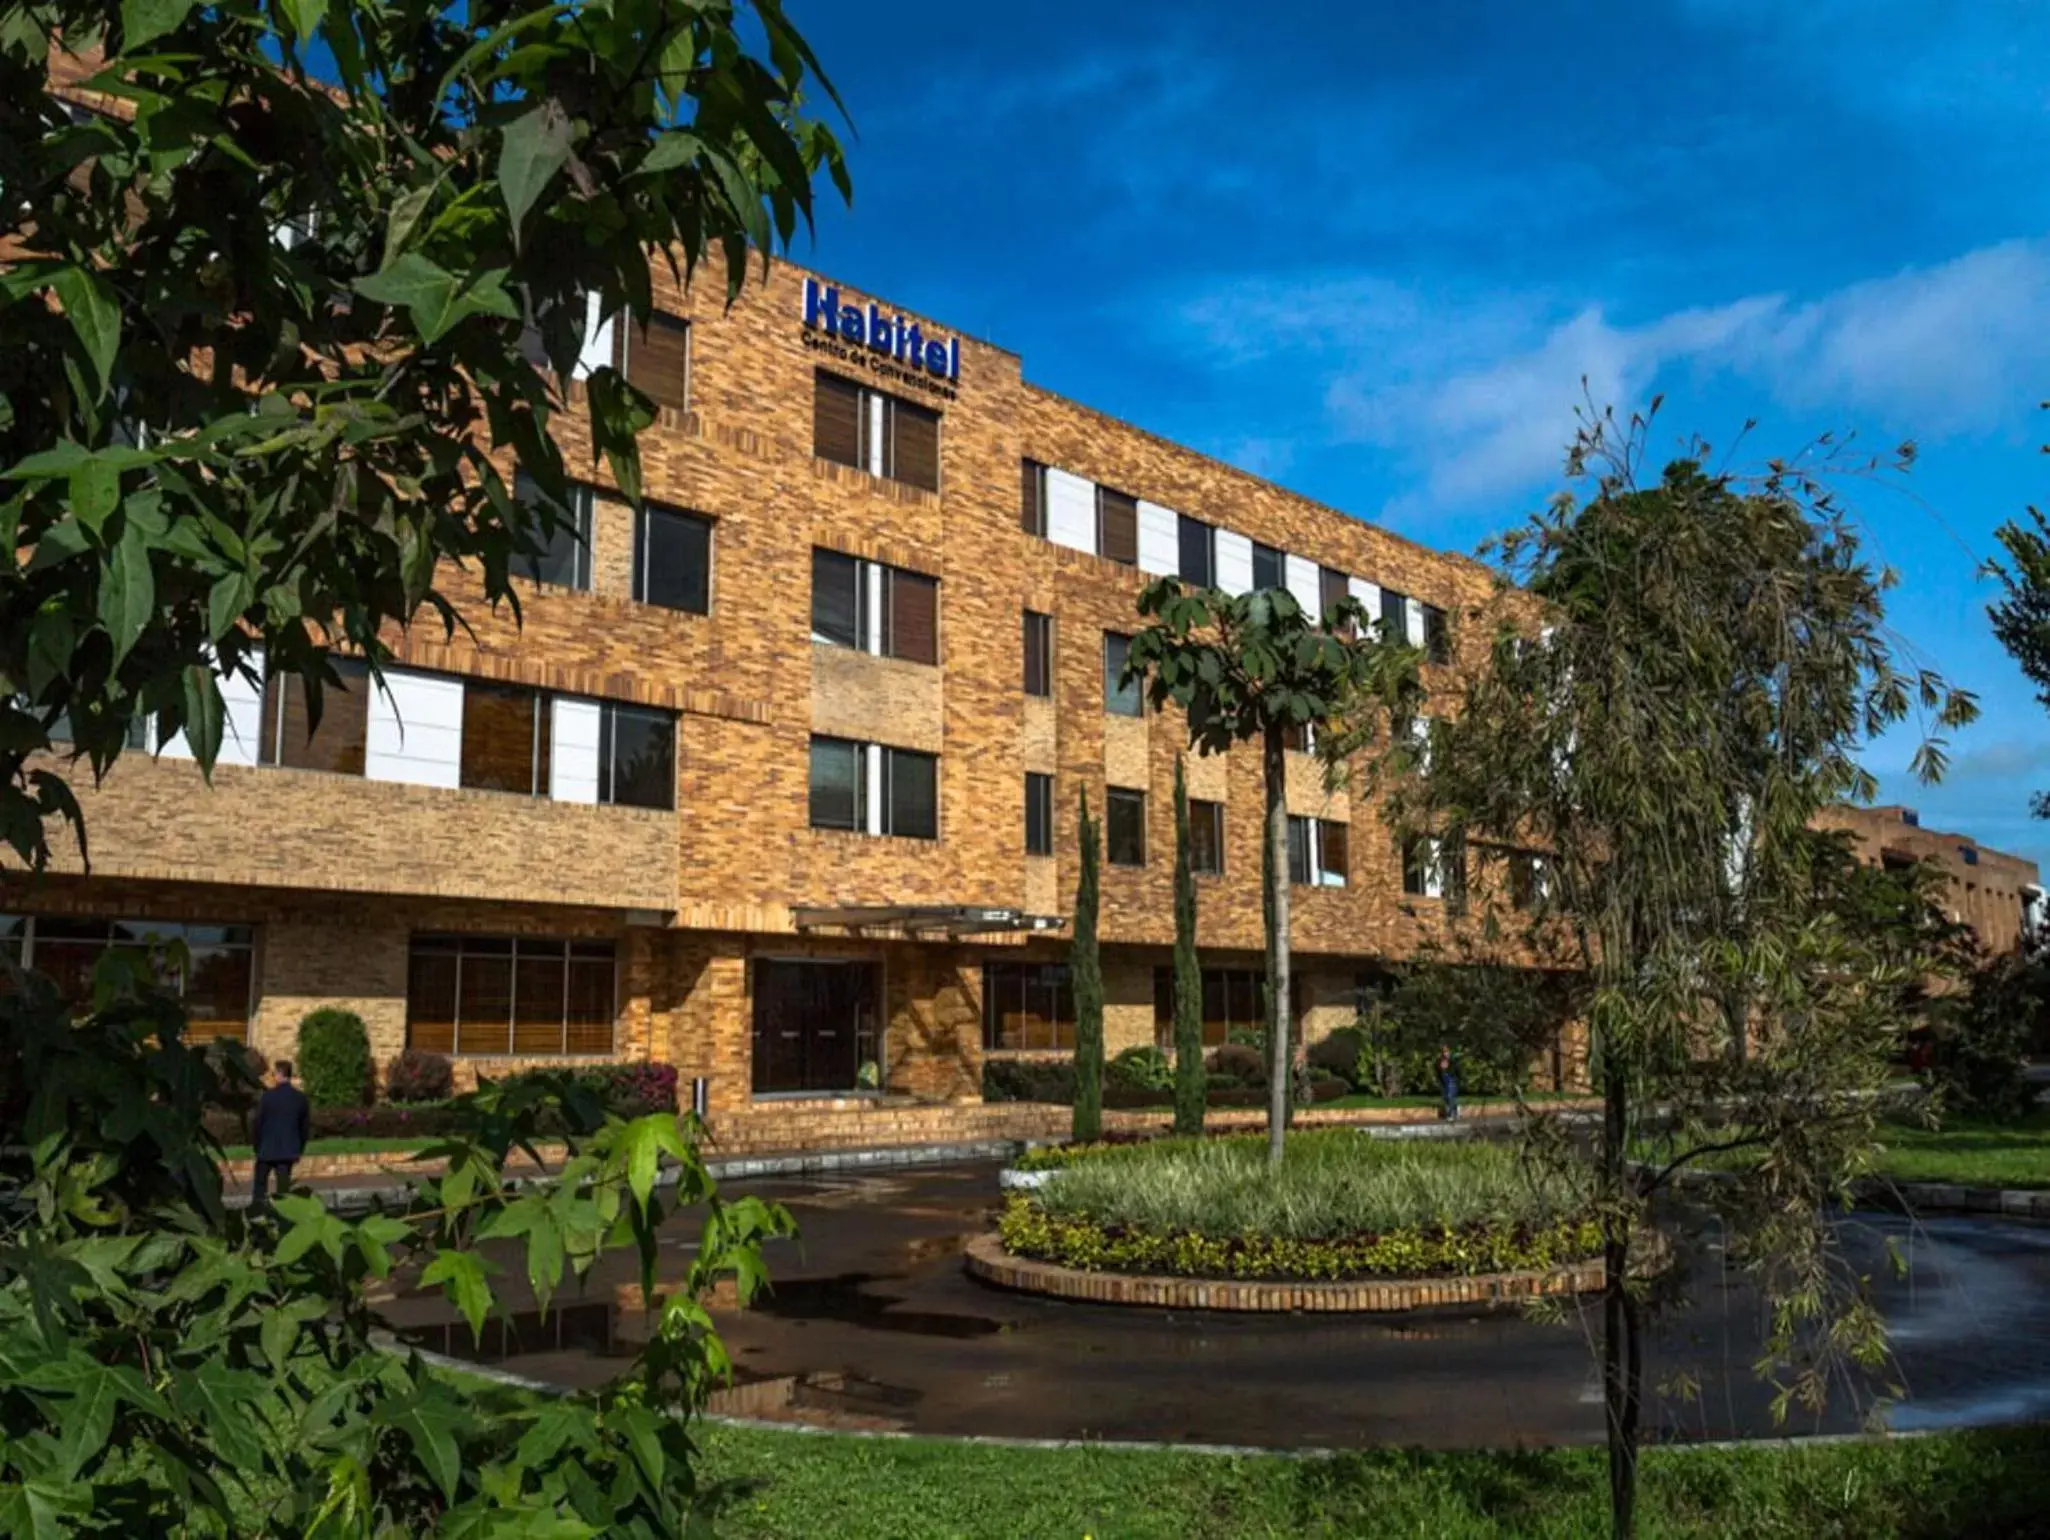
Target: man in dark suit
[(284, 1122)]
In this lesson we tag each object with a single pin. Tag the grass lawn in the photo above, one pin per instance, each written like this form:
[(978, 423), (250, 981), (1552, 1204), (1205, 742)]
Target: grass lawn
[(1431, 1103), (1970, 1151), (1989, 1485), (339, 1146)]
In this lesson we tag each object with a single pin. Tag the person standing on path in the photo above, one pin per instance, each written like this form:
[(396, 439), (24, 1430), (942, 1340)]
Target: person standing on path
[(284, 1122), (1448, 1083)]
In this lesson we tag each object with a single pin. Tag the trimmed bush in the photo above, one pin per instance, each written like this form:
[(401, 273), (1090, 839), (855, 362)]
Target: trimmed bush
[(1342, 1053), (1242, 1062), (1029, 1080), (334, 1063), (1140, 1069), (636, 1089), (417, 1076)]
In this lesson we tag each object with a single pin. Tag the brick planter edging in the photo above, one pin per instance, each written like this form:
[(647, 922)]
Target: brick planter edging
[(987, 1259)]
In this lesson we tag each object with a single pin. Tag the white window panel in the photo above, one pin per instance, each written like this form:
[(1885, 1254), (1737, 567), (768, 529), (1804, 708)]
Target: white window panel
[(416, 730), (1368, 594), (241, 719), (1306, 583), (573, 751), (871, 579), (1434, 868), (1413, 621), (872, 771), (1160, 540), (872, 405), (1234, 562), (1070, 510), (597, 349)]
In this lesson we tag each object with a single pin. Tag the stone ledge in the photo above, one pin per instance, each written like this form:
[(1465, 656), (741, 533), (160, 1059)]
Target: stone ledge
[(987, 1259)]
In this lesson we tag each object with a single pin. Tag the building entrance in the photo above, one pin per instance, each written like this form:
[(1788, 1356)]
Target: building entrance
[(814, 1023)]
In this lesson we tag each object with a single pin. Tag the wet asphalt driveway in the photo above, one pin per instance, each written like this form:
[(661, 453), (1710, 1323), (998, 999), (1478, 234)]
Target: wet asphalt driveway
[(874, 1324)]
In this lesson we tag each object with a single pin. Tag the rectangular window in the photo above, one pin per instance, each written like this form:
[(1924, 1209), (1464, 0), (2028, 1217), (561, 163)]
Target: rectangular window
[(213, 978), (1198, 551), (1124, 826), (874, 789), (1437, 635), (1117, 526), (565, 557), (1038, 814), (878, 433), (1530, 879), (1038, 654), (1027, 1007), (656, 360), (1032, 499), (1269, 567), (1300, 737), (636, 757), (1394, 627), (1121, 698), (1435, 868), (337, 743), (1332, 587), (875, 608), (1316, 852), (520, 995), (505, 739), (1234, 1000), (673, 559), (1206, 837)]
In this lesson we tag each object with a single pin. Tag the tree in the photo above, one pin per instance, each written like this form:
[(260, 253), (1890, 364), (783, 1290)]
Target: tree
[(1246, 668), (173, 1366), (1680, 677), (2021, 619), (1190, 1084), (1085, 970), (276, 341)]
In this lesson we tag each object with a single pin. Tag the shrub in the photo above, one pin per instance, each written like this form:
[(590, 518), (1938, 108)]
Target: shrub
[(1140, 1069), (334, 1059), (636, 1089), (239, 1070), (1241, 1062), (1980, 1041), (1029, 1080), (1343, 1053), (417, 1076)]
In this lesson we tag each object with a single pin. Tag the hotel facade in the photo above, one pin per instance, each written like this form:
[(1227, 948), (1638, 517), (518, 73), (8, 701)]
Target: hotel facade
[(778, 779)]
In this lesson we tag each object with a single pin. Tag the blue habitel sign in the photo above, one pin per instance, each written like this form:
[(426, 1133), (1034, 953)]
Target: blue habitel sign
[(892, 336)]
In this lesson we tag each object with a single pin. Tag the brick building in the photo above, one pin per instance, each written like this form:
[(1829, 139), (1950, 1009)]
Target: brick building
[(778, 780), (2000, 896)]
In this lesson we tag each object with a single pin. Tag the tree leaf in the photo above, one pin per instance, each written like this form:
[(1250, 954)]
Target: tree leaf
[(50, 641), (305, 17), (128, 592), (204, 715), (95, 492), (142, 21), (416, 284), (221, 1401), (461, 1276), (232, 593), (429, 1422), (404, 218), (43, 1510), (95, 317), (535, 145)]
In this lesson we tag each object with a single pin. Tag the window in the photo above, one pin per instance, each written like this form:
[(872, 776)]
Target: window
[(1198, 551), (1968, 855), (1117, 526), (1027, 1007), (290, 737), (1234, 1000), (1038, 814), (673, 559), (1038, 654), (1436, 868), (656, 360), (1269, 567), (1124, 826), (877, 433), (1206, 837), (1121, 698), (1530, 879), (636, 757), (1332, 587), (500, 995), (1437, 635), (565, 557), (1393, 624), (1300, 737), (870, 788), (1316, 852), (878, 609), (505, 739), (1032, 503), (213, 978)]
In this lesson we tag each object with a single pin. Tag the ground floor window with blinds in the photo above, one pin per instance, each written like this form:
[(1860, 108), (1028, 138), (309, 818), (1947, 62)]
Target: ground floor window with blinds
[(211, 968), (1234, 1000), (511, 995), (1027, 1006)]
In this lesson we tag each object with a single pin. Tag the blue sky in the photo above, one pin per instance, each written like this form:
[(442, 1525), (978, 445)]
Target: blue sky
[(1370, 251)]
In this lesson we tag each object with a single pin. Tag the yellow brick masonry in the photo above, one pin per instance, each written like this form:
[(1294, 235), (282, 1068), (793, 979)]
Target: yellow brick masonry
[(338, 873)]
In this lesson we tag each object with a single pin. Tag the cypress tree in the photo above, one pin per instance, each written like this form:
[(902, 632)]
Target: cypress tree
[(1085, 967), (1188, 975)]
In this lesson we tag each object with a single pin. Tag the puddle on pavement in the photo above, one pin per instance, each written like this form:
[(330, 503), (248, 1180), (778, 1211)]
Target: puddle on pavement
[(591, 1329), (848, 1299), (924, 1248)]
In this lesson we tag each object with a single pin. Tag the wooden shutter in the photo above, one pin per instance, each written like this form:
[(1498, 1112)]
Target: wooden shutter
[(915, 442), (836, 420), (658, 360), (1117, 526), (914, 617)]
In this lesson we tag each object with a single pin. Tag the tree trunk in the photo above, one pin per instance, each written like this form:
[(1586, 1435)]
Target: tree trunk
[(1622, 1346), (1275, 762), (1085, 970), (1190, 1087)]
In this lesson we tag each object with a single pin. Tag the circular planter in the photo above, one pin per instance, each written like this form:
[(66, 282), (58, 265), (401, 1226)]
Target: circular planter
[(987, 1259)]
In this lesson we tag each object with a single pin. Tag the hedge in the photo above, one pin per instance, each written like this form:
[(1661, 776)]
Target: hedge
[(1028, 1230)]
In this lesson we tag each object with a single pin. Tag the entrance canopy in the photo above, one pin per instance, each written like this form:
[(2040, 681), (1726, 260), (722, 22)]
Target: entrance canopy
[(937, 919)]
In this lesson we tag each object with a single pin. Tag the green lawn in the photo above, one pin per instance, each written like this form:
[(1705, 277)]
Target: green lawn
[(339, 1146), (1432, 1103), (1970, 1151), (1988, 1485)]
